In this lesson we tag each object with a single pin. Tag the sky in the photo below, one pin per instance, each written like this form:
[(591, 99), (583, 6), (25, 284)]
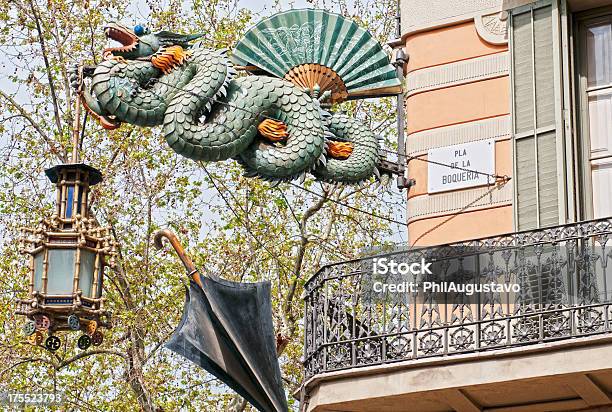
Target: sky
[(259, 5), (139, 7)]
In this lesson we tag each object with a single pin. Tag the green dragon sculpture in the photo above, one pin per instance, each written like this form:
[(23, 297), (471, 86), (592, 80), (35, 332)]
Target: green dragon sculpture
[(275, 129)]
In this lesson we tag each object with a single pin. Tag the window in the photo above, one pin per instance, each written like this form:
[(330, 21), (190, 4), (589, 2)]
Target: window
[(534, 114), (595, 78)]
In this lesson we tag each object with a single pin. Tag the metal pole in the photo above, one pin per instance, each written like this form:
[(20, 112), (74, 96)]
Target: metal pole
[(76, 124), (401, 123), (400, 61), (401, 58), (398, 20)]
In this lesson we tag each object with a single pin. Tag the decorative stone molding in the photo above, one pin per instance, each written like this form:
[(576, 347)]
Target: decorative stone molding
[(456, 73), (427, 206), (418, 14), (498, 128), (493, 28)]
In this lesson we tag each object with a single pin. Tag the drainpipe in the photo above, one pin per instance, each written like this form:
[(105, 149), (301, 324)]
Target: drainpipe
[(398, 20), (401, 58), (400, 61)]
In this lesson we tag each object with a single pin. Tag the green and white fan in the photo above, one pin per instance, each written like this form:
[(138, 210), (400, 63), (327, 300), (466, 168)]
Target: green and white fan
[(315, 47)]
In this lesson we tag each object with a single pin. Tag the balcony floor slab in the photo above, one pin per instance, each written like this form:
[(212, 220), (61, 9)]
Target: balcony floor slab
[(569, 375)]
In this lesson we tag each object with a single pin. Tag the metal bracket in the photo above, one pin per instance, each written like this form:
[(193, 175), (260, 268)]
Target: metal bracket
[(404, 182), (398, 169), (392, 168)]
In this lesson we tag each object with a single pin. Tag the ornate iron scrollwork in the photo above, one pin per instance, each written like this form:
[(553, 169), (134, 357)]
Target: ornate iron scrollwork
[(564, 293)]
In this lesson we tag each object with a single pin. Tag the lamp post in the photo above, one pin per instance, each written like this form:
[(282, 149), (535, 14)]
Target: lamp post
[(68, 253)]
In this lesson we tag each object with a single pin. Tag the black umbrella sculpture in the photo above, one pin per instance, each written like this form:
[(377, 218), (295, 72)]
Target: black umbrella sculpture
[(227, 329)]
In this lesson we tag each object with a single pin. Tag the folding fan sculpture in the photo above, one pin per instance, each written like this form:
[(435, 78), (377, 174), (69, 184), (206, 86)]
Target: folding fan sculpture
[(271, 122)]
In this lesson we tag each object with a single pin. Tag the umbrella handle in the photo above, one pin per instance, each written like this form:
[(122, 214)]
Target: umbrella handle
[(180, 251)]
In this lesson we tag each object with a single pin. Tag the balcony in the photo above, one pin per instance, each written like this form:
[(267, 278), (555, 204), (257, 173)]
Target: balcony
[(564, 302)]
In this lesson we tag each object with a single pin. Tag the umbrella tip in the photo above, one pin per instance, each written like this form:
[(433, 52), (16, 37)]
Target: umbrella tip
[(158, 238), (176, 244)]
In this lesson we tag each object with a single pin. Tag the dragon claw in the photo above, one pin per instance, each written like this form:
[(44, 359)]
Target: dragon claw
[(339, 150), (76, 78), (273, 130), (112, 57), (167, 58), (324, 96)]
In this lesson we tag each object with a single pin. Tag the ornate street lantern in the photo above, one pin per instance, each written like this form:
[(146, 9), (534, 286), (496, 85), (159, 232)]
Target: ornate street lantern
[(68, 253)]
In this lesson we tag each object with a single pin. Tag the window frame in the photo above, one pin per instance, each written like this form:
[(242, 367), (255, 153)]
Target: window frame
[(558, 126), (582, 21)]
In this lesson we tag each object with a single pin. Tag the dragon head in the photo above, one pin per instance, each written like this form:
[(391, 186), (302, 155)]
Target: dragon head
[(140, 42)]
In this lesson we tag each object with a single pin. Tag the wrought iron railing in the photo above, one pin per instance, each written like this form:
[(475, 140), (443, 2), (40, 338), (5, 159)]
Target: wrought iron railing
[(564, 292)]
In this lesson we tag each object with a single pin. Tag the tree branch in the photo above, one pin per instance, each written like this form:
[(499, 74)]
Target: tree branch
[(27, 360), (89, 353), (43, 48), (297, 267), (34, 124)]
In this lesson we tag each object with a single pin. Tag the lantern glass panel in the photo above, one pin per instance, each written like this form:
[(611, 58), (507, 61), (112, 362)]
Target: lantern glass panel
[(79, 200), (69, 201), (61, 271), (100, 277), (38, 270), (88, 260)]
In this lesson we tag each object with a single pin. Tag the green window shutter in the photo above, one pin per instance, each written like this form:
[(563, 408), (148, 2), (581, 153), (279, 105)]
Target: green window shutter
[(526, 183), (534, 116), (544, 67), (522, 50), (548, 187)]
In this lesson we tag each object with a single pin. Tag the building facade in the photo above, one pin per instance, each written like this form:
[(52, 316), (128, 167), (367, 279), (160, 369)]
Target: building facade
[(534, 77), (516, 96)]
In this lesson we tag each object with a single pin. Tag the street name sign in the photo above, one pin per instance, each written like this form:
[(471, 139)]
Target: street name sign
[(477, 159)]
